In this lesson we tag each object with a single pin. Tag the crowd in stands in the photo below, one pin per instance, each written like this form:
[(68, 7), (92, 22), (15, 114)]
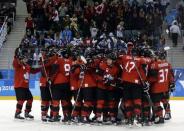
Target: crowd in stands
[(60, 22), (180, 17), (7, 13)]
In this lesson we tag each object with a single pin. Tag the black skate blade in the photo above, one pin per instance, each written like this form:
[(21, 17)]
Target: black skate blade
[(19, 120), (147, 124), (107, 123), (66, 123), (29, 119)]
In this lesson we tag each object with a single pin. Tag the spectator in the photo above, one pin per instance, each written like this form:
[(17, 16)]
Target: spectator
[(29, 24), (77, 40), (62, 11), (66, 35), (157, 22), (120, 12), (88, 13), (93, 30), (164, 5), (141, 21), (87, 42), (28, 4), (161, 43), (175, 31), (74, 24), (120, 30), (66, 22), (85, 28), (57, 41), (41, 40), (83, 3), (180, 17), (125, 19)]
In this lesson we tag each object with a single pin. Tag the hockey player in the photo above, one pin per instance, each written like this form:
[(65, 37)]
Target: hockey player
[(146, 54), (61, 88), (76, 79), (88, 89), (45, 86), (21, 85), (132, 85), (161, 78), (106, 104)]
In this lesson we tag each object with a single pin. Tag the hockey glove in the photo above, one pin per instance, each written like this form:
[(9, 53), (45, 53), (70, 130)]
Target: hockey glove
[(146, 87), (172, 87), (74, 67), (81, 75), (49, 83), (83, 68), (108, 79)]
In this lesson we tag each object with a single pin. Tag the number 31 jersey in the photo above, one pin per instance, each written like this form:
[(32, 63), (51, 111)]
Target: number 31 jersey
[(129, 71), (162, 78)]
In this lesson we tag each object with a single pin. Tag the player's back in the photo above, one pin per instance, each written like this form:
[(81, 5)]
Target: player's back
[(163, 72), (129, 65)]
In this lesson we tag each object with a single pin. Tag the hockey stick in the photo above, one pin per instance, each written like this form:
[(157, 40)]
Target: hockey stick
[(42, 59), (78, 94), (81, 83), (143, 83)]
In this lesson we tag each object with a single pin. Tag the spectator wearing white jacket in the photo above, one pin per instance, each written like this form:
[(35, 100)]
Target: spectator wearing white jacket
[(175, 31)]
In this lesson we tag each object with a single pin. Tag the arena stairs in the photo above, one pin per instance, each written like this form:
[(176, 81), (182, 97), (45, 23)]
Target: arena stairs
[(14, 38)]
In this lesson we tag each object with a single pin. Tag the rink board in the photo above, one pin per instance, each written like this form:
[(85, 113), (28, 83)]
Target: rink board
[(7, 90)]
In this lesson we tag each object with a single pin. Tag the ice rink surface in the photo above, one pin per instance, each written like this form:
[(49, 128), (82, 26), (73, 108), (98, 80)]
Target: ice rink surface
[(7, 122)]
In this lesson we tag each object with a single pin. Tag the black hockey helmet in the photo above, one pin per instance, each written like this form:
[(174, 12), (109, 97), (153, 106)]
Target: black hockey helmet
[(162, 54), (111, 56)]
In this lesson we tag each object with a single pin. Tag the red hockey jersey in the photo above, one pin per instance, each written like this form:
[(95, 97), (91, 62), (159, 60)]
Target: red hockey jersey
[(129, 71), (63, 73), (111, 70), (45, 71), (21, 76), (162, 78)]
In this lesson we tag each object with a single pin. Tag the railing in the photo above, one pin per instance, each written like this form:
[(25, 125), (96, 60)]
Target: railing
[(3, 32)]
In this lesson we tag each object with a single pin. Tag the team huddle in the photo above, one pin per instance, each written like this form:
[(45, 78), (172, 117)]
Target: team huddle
[(133, 81)]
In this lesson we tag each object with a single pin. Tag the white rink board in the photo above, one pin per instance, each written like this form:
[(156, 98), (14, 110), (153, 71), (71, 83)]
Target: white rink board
[(7, 122)]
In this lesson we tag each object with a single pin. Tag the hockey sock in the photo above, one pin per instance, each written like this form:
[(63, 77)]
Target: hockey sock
[(146, 109), (55, 108), (87, 108), (166, 105), (67, 107), (29, 105), (100, 107), (77, 110), (128, 108), (112, 108), (44, 108), (158, 110), (19, 106), (137, 107)]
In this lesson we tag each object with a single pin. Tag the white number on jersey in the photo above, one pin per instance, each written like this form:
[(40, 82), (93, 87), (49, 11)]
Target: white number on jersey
[(130, 66), (163, 74), (67, 69)]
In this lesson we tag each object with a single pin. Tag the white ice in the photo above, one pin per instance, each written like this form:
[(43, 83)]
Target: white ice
[(7, 122)]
